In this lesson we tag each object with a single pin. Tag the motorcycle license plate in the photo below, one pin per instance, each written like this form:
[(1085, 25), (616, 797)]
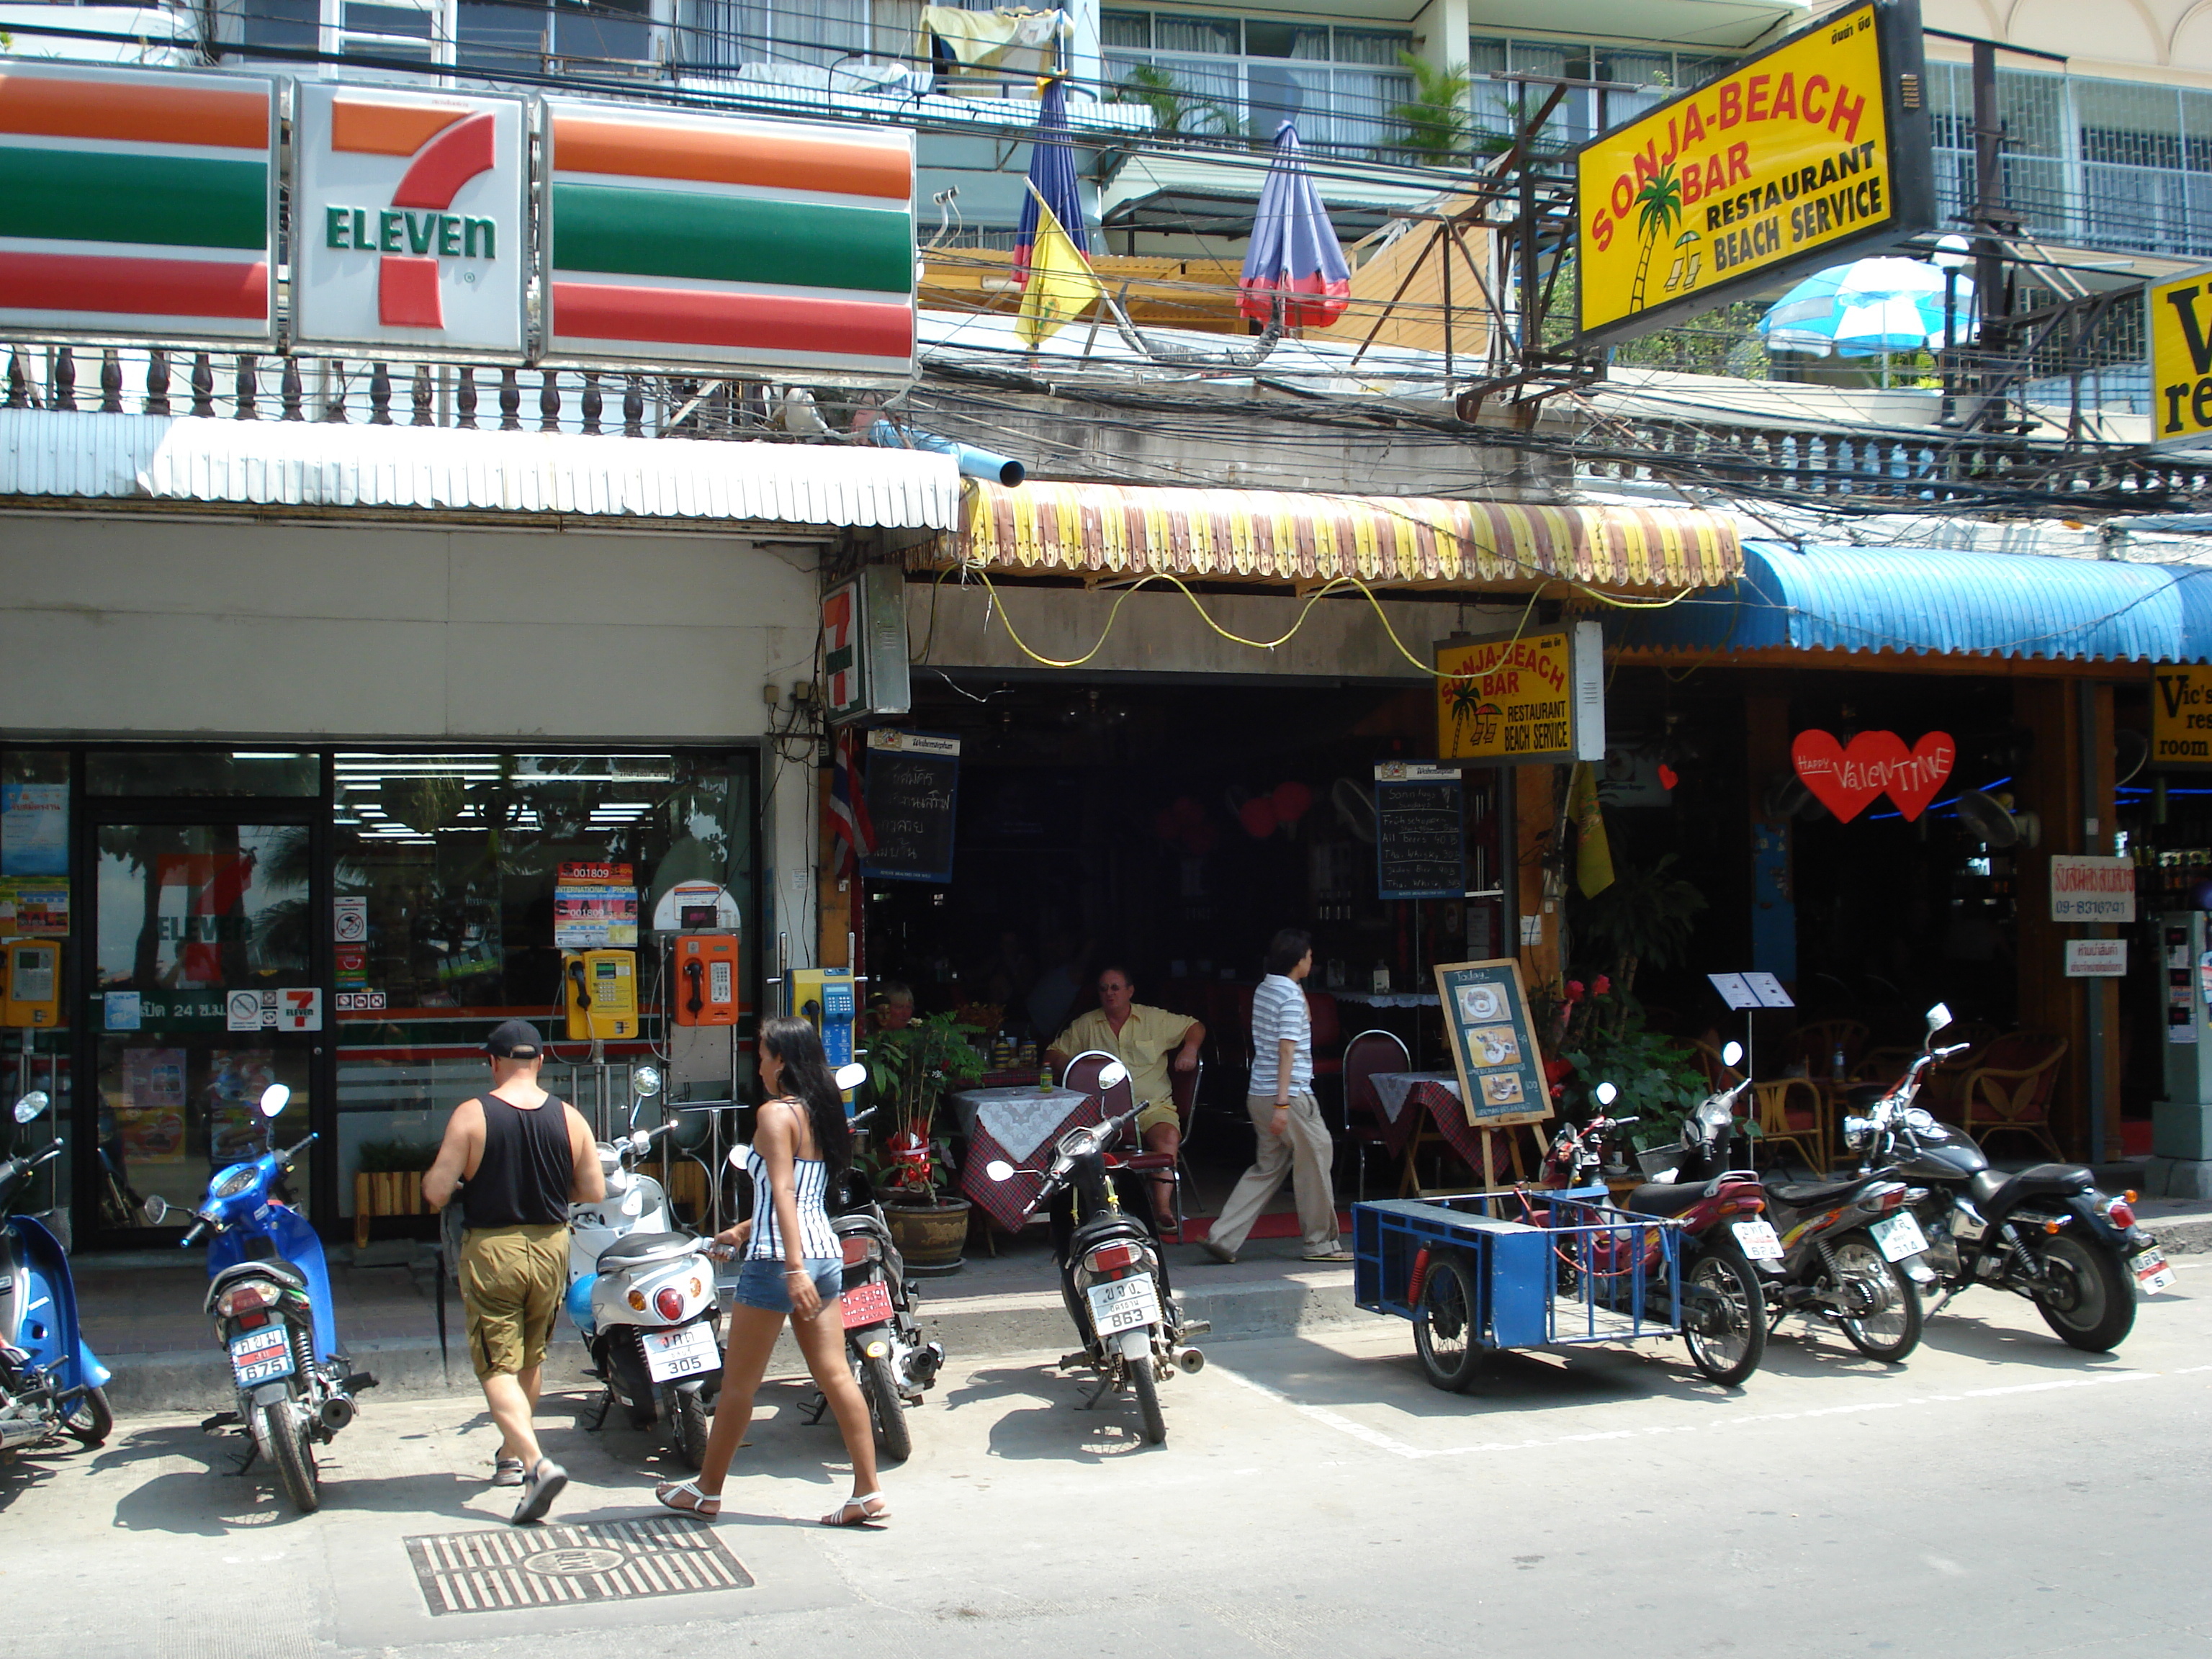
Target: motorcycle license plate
[(1898, 1236), (261, 1356), (2152, 1274), (1122, 1305), (1758, 1241), (689, 1351), (866, 1304)]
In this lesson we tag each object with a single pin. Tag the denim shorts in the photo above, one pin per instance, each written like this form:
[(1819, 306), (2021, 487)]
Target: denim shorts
[(761, 1284)]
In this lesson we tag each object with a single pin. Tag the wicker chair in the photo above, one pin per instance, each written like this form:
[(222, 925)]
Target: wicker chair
[(2011, 1086), (1792, 1109)]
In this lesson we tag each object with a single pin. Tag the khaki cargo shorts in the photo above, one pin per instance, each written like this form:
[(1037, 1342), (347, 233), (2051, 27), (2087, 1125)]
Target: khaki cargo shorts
[(512, 1281)]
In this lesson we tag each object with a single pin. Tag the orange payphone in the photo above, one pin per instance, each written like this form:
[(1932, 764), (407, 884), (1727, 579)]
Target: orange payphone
[(706, 986)]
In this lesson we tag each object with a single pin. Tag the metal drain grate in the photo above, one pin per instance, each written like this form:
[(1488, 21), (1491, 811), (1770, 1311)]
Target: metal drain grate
[(554, 1565)]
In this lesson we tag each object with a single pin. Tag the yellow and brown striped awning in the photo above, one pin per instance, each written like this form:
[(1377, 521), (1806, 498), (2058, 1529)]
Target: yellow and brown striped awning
[(1112, 531)]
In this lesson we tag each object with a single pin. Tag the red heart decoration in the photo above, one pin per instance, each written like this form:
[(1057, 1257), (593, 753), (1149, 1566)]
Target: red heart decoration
[(1915, 778), (1846, 780), (1667, 776)]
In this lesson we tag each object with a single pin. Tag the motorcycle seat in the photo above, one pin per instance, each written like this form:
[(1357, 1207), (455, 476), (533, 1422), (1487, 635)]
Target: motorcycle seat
[(640, 1249), (283, 1271), (1984, 1186), (1810, 1195), (1665, 1197)]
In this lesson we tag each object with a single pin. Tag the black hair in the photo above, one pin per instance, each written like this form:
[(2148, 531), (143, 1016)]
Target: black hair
[(893, 990), (1115, 967), (806, 1077), (1288, 949)]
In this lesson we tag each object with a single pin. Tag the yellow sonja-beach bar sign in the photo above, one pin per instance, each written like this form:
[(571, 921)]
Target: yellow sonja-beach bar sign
[(1811, 150)]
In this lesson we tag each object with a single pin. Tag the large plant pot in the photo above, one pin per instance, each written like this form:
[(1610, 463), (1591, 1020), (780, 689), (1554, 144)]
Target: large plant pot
[(930, 1237)]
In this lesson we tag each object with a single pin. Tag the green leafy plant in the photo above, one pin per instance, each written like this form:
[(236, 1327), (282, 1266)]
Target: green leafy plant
[(910, 1070), (394, 1156), (1434, 122), (1646, 915), (1659, 1084)]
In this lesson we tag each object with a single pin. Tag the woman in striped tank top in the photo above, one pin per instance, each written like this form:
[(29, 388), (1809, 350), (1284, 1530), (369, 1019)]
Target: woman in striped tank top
[(793, 1267)]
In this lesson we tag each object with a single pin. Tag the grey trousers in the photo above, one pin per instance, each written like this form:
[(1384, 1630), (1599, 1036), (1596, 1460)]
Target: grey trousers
[(1303, 1153)]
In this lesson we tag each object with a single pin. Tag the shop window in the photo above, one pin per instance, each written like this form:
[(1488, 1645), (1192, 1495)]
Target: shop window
[(447, 867), (202, 773)]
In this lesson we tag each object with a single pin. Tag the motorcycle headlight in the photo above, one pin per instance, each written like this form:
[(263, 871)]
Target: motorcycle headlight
[(1856, 1130)]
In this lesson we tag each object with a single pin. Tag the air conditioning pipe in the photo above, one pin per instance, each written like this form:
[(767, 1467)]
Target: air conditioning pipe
[(974, 463)]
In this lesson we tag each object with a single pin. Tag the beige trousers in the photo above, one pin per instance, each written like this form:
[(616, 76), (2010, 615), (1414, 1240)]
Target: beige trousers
[(1304, 1152)]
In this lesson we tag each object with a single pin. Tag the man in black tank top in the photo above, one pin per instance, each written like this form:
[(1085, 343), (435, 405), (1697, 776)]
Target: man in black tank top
[(517, 1157)]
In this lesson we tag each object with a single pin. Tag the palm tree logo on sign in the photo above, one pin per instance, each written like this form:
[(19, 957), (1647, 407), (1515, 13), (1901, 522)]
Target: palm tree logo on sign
[(1658, 210)]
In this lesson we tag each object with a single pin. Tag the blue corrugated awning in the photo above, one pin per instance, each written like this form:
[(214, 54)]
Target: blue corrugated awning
[(1933, 600)]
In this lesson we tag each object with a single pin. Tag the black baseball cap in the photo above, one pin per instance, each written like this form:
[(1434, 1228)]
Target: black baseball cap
[(514, 1039)]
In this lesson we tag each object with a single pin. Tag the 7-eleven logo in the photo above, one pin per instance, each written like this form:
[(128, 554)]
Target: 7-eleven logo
[(447, 148)]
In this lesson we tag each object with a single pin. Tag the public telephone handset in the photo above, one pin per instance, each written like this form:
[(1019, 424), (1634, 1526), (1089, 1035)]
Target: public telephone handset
[(695, 972)]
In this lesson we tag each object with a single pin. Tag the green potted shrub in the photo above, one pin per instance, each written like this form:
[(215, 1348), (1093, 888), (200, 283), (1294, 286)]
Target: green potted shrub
[(910, 1071), (1603, 1037)]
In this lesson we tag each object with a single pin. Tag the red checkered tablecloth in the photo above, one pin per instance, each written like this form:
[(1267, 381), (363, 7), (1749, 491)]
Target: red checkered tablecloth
[(1438, 1098), (1008, 1202)]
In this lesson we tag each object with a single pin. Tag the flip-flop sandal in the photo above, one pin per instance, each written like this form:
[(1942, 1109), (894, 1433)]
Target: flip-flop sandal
[(874, 1508), (506, 1472), (705, 1505)]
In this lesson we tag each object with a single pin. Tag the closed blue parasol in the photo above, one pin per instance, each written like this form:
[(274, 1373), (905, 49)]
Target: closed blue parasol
[(1052, 176), (1294, 267)]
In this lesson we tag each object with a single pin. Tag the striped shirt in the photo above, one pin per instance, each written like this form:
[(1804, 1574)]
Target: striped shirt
[(817, 1239), (1278, 1011)]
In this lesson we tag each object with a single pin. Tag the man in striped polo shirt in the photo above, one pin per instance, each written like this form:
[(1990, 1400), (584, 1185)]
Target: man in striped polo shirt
[(1293, 1140)]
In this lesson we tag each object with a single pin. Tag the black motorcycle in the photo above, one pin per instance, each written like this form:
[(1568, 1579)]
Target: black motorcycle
[(892, 1362), (2046, 1233), (1112, 1275)]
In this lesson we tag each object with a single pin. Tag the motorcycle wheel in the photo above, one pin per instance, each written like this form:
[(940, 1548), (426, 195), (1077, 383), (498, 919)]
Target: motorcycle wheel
[(1725, 1327), (1147, 1390), (1894, 1332), (893, 1437), (295, 1459), (1443, 1326), (89, 1420), (687, 1426), (2097, 1306)]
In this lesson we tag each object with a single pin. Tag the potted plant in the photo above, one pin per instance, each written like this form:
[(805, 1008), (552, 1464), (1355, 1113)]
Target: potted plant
[(1603, 1039), (388, 1182), (910, 1070)]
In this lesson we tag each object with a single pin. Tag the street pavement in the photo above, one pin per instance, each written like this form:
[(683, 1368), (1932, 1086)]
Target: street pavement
[(2000, 1494)]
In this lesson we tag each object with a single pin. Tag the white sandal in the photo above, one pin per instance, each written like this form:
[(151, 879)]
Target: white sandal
[(874, 1509), (705, 1505)]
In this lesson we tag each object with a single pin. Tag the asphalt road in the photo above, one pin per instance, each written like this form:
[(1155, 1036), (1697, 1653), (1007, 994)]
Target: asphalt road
[(1999, 1495)]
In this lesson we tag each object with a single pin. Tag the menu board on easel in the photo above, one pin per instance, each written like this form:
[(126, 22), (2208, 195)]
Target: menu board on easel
[(1493, 1043)]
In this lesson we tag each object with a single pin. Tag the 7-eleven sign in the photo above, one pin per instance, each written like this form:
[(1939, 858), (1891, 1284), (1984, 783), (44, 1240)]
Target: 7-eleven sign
[(843, 662)]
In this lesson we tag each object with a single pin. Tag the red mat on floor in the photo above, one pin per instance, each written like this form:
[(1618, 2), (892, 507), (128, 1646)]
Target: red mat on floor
[(1285, 1225)]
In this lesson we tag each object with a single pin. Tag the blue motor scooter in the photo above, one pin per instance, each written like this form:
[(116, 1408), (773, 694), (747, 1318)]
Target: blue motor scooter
[(269, 1296), (50, 1382)]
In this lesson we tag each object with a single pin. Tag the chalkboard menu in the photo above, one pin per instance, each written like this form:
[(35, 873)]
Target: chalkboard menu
[(1493, 1043), (912, 784), (1420, 830)]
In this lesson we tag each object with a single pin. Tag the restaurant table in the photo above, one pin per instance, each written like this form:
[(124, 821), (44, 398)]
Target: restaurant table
[(1388, 998), (1404, 1095), (1022, 1125)]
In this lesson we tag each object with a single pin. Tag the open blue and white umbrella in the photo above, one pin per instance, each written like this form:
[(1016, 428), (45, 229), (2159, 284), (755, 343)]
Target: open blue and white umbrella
[(1294, 264), (1868, 308)]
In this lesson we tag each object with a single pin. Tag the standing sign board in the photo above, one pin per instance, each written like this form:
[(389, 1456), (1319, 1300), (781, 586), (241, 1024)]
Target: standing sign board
[(704, 242), (2181, 717), (914, 787), (412, 228), (2178, 324), (1493, 1043), (1420, 831), (1802, 156), (139, 204), (1523, 698)]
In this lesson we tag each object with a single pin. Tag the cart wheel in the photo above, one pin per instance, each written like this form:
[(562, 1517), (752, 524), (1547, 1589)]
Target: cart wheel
[(1444, 1326)]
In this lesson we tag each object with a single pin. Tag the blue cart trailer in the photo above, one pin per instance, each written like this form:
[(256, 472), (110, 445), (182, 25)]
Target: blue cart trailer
[(1515, 1270)]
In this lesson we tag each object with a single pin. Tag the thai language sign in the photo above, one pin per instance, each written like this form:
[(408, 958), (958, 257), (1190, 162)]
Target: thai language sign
[(2092, 889), (2096, 958), (2181, 717), (1810, 150), (1521, 698)]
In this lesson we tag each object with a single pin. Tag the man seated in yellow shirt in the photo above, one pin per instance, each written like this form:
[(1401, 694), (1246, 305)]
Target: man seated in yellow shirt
[(1141, 1038)]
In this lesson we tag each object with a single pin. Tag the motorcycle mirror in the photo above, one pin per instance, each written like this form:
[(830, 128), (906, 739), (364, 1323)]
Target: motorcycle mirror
[(1113, 1074), (998, 1169), (156, 1209), (1605, 1094), (30, 1105), (1732, 1055), (1938, 1017), (274, 1099), (738, 1157), (641, 1142), (851, 1077), (645, 1080)]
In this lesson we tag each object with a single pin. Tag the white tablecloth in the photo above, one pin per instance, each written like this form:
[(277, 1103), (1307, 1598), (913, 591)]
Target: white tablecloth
[(1391, 1088), (1388, 998), (1020, 1119)]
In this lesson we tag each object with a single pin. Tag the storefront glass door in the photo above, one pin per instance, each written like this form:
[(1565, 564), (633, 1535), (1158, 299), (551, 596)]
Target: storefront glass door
[(206, 988)]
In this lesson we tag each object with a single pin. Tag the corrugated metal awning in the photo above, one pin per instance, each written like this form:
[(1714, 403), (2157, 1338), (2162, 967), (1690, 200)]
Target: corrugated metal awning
[(1936, 601), (314, 463), (1254, 535)]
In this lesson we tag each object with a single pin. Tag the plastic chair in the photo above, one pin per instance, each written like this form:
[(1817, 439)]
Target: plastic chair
[(1364, 1125), (2012, 1087)]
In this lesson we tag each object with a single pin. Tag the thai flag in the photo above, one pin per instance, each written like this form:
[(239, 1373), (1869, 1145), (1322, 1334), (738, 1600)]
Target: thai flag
[(849, 805)]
